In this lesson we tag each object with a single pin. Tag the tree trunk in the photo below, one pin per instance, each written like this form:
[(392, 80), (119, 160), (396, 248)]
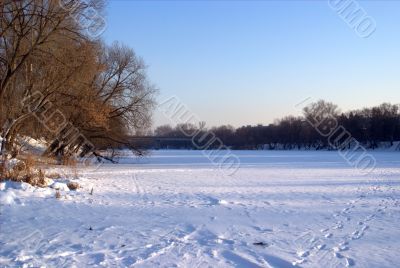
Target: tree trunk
[(7, 134)]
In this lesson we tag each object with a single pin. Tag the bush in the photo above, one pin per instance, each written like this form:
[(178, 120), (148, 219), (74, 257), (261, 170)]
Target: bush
[(36, 179), (73, 186), (25, 171)]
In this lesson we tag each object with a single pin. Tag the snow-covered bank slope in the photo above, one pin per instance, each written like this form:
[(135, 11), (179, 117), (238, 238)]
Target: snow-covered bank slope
[(176, 210)]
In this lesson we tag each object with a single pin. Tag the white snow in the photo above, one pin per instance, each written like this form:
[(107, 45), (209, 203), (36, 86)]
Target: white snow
[(7, 198), (60, 186), (175, 209)]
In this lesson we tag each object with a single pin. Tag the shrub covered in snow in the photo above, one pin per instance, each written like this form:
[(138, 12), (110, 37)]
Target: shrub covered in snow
[(24, 170)]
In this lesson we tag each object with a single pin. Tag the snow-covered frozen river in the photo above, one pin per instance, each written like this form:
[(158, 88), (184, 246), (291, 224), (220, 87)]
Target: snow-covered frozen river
[(176, 209)]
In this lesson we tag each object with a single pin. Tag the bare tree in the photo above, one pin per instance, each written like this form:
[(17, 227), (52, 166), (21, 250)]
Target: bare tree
[(38, 42), (28, 26), (119, 104)]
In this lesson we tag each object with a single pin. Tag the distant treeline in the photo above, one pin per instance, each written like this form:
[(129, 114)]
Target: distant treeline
[(321, 124)]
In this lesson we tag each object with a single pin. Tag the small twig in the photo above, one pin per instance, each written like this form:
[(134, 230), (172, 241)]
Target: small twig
[(99, 156)]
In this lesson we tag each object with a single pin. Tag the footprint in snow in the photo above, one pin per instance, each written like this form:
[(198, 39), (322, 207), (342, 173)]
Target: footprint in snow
[(297, 262), (339, 225), (328, 235), (349, 262), (262, 230), (357, 235), (222, 240), (303, 254), (340, 248), (337, 255), (370, 217), (345, 210)]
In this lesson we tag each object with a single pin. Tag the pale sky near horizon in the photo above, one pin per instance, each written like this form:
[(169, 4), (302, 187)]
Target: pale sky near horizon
[(250, 62)]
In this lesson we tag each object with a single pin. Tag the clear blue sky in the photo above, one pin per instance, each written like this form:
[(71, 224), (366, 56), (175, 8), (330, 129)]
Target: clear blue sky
[(247, 62)]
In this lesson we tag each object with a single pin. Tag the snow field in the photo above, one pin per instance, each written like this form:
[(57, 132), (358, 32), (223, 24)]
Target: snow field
[(173, 209)]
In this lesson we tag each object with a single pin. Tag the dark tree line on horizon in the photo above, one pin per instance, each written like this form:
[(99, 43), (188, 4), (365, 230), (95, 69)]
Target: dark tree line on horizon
[(369, 126)]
